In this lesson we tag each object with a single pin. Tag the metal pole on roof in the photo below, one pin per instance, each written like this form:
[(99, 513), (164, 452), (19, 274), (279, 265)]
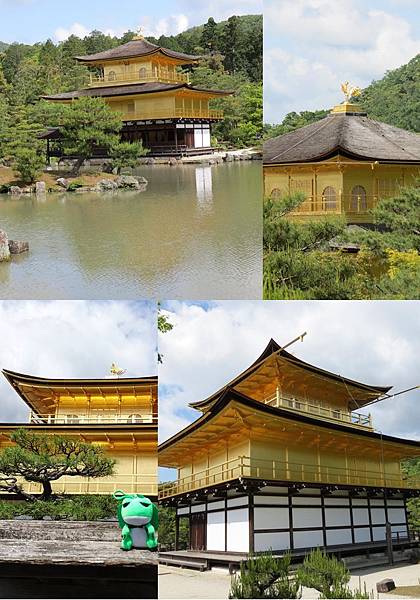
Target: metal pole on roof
[(297, 339)]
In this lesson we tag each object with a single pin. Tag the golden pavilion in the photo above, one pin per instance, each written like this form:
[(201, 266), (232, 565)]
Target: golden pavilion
[(343, 164), (119, 414), (283, 458), (158, 104)]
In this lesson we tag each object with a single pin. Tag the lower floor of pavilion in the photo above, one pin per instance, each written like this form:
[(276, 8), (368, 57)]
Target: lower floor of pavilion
[(250, 516), (167, 137)]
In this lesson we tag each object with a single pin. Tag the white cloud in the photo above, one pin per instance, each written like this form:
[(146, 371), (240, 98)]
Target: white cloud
[(72, 339), (374, 342), (314, 45), (171, 25)]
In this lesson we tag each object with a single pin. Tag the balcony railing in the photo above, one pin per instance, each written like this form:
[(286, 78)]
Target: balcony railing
[(177, 113), (161, 76), (342, 204), (331, 414), (73, 419), (132, 484), (275, 470)]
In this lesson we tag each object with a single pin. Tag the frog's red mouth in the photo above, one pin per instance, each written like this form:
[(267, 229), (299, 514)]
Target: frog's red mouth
[(133, 520)]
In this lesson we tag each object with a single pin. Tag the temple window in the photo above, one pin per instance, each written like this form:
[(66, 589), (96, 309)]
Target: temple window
[(130, 107), (135, 418), (358, 198), (112, 76), (329, 198), (275, 193), (142, 72)]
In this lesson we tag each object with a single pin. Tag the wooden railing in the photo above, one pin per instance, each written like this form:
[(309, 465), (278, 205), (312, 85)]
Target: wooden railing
[(343, 203), (244, 466), (139, 484), (177, 113), (161, 76), (80, 419), (297, 404)]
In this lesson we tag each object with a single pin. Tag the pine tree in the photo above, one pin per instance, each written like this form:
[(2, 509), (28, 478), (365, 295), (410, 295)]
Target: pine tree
[(209, 37), (265, 576)]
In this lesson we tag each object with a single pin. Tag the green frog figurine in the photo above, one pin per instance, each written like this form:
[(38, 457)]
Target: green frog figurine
[(138, 519)]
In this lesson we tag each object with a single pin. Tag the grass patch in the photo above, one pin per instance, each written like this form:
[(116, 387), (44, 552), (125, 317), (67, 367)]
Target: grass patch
[(69, 508), (9, 177)]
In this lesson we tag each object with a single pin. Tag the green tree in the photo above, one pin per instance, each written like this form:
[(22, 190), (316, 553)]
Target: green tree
[(209, 37), (411, 470), (43, 458), (28, 162), (230, 37), (167, 529), (126, 154), (265, 576), (328, 575), (86, 124)]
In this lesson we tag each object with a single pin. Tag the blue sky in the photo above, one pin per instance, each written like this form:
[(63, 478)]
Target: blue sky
[(373, 342), (73, 339), (311, 46), (30, 21)]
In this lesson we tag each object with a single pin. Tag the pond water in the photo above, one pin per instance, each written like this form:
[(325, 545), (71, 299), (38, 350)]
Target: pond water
[(195, 233)]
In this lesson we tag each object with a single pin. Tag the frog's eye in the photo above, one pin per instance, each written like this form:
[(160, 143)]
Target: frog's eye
[(144, 503), (126, 503)]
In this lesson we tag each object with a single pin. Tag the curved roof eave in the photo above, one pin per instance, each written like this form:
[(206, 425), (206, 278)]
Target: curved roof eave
[(231, 395), (272, 348)]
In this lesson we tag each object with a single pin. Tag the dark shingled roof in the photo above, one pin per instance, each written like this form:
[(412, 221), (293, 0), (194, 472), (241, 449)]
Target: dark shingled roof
[(139, 47), (353, 135), (128, 90)]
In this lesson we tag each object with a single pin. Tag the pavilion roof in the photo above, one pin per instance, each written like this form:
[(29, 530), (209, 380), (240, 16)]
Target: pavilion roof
[(351, 134), (39, 393), (133, 89), (234, 414), (137, 48), (259, 381)]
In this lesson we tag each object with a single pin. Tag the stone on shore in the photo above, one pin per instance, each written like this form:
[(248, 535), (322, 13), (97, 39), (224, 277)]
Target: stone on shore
[(40, 188), (4, 246), (17, 247), (62, 182), (15, 190)]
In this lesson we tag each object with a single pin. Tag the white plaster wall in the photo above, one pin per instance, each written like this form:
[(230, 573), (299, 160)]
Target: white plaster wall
[(238, 530), (337, 517), (360, 516), (307, 539), (378, 515), (243, 501), (334, 501), (198, 138), (273, 541), (396, 502), (216, 531), (379, 533), (206, 138), (362, 535), (198, 508), (313, 501), (338, 536), (307, 517), (396, 515), (271, 518), (220, 504), (277, 500), (359, 502), (183, 511)]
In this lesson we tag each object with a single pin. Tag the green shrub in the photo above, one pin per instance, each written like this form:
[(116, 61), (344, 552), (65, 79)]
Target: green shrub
[(71, 508), (74, 185)]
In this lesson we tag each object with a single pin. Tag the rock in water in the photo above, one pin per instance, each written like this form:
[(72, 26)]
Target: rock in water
[(40, 187), (16, 247), (4, 246), (106, 185), (128, 182)]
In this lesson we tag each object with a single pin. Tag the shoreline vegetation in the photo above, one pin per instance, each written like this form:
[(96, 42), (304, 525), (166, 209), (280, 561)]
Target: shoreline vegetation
[(307, 260)]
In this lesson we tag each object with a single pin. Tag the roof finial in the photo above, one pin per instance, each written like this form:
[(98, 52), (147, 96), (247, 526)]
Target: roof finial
[(116, 371), (139, 33), (350, 91)]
